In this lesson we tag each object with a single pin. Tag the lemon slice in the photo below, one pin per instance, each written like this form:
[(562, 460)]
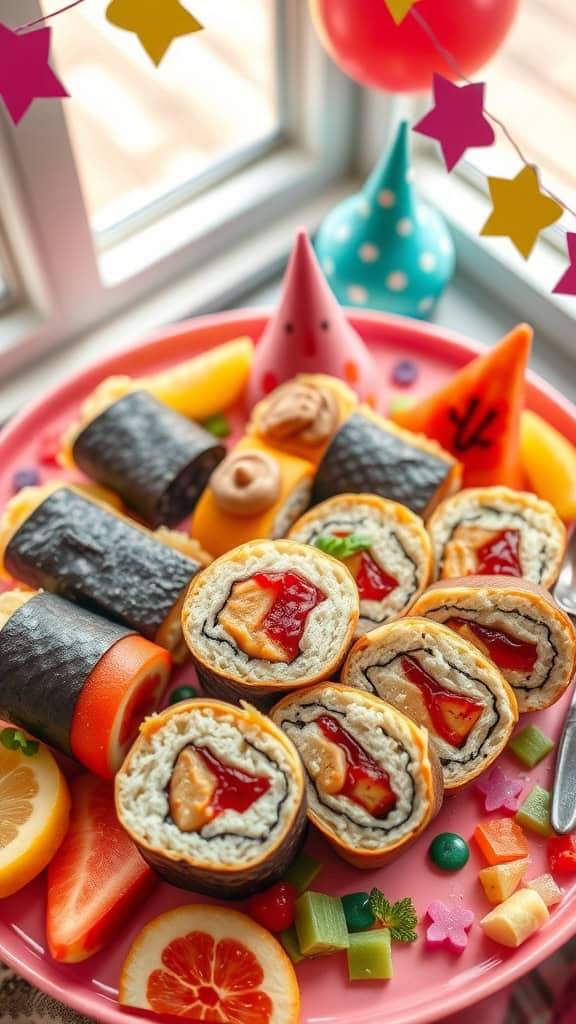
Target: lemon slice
[(206, 384)]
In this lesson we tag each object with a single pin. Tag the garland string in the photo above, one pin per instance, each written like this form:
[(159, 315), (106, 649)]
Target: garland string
[(39, 21)]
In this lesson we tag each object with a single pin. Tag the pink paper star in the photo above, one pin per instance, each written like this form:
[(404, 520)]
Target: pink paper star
[(25, 74), (457, 119), (567, 283), (449, 926), (500, 792)]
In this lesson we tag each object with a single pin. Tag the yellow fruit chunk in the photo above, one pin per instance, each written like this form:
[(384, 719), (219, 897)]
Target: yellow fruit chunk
[(34, 809), (546, 887), (206, 384), (515, 920), (549, 462), (500, 881)]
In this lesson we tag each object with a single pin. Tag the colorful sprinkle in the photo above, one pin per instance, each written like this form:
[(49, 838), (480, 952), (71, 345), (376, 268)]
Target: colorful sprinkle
[(351, 372), (269, 382), (404, 373), (50, 448), (182, 693), (25, 478), (499, 791), (449, 851), (359, 917), (449, 926)]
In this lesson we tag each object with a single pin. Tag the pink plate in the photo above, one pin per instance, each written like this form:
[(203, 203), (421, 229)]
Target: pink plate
[(427, 984)]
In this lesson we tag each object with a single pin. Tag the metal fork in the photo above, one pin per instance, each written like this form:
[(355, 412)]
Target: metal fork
[(563, 809)]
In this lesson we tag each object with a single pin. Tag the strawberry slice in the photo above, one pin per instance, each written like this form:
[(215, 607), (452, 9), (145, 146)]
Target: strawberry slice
[(96, 878)]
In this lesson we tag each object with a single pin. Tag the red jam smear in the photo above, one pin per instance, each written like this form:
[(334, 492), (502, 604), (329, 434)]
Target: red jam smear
[(294, 598), (453, 716), (374, 584), (235, 789), (367, 784), (504, 650), (500, 556)]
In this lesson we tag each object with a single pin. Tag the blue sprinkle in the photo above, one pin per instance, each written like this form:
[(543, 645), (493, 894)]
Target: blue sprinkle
[(25, 478), (404, 373)]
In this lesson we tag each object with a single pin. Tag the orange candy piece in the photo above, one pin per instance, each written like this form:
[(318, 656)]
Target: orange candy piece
[(501, 840)]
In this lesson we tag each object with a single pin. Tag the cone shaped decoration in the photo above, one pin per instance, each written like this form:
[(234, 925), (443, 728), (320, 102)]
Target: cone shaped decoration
[(309, 333), (383, 248), (476, 416)]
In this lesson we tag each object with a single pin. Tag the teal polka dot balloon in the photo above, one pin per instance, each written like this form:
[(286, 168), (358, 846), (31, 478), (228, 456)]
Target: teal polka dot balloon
[(383, 248)]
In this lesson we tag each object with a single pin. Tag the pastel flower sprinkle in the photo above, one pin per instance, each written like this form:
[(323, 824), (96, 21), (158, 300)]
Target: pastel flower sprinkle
[(449, 926), (500, 792), (25, 478)]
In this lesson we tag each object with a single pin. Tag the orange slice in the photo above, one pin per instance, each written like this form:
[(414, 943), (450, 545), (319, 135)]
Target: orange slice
[(210, 963), (35, 804)]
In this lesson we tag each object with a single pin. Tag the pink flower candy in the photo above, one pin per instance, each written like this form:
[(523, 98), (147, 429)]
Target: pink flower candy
[(500, 792), (449, 926)]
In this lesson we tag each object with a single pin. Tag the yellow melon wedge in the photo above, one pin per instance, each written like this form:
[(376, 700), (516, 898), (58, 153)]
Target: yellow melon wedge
[(549, 462), (206, 384), (516, 919), (500, 881)]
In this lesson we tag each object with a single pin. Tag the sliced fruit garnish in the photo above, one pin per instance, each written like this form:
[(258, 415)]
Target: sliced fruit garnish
[(206, 384), (210, 963)]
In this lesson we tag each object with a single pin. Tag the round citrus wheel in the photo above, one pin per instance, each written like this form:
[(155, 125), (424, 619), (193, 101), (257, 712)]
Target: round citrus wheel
[(35, 805), (210, 963)]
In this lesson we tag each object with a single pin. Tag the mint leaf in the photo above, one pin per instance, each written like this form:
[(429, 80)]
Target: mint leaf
[(14, 739), (343, 547), (401, 917)]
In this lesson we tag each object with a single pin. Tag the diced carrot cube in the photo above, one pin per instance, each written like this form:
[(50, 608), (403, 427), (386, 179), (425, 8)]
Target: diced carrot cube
[(501, 840)]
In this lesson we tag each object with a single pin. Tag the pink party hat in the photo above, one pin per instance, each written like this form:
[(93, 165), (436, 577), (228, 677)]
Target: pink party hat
[(309, 333)]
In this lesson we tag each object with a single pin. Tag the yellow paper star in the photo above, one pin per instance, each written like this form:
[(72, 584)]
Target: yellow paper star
[(400, 8), (156, 22), (521, 211)]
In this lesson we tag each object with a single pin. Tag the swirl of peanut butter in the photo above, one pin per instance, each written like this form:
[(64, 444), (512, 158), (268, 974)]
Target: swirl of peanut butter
[(246, 483), (301, 412)]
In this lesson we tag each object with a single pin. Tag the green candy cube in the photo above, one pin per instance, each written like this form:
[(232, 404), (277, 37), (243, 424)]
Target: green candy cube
[(530, 745), (370, 956), (289, 940), (302, 872), (320, 924), (534, 813)]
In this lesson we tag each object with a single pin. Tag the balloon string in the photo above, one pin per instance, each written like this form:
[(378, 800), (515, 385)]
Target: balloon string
[(453, 64), (39, 21)]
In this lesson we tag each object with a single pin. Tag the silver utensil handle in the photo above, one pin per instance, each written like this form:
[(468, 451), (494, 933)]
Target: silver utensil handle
[(563, 809)]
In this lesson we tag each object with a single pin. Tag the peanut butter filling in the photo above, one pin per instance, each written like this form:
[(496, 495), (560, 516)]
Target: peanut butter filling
[(247, 483), (326, 763), (242, 618), (190, 793), (301, 412)]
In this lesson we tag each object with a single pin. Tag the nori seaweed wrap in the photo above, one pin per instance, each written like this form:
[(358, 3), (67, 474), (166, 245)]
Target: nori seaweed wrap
[(157, 460)]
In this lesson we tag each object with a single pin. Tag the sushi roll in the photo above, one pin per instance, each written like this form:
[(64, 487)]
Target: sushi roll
[(383, 544), (267, 617), (158, 461), (58, 540), (373, 781), (443, 683), (517, 625), (370, 455), (255, 492), (494, 531), (214, 798), (74, 680), (301, 416)]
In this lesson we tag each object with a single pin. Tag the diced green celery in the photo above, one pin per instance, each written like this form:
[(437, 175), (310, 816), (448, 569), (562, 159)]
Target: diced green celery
[(535, 812), (320, 924), (530, 745), (289, 940), (302, 872), (370, 956)]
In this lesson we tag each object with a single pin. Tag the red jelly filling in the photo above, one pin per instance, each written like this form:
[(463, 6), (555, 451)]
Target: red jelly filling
[(294, 599), (504, 650), (453, 716), (235, 789), (373, 583), (367, 784), (500, 556)]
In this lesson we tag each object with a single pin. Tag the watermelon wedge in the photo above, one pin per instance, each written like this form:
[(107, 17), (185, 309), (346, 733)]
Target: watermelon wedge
[(96, 878), (476, 416)]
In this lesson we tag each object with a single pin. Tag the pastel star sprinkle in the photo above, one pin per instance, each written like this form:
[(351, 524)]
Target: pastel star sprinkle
[(400, 8), (157, 23), (500, 792), (521, 211), (25, 74), (457, 119), (449, 926), (567, 283)]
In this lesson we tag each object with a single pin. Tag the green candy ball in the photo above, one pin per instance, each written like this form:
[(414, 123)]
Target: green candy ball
[(359, 917), (182, 693), (449, 852)]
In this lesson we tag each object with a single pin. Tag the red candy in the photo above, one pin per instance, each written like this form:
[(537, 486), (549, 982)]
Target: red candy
[(500, 556), (274, 909), (562, 855)]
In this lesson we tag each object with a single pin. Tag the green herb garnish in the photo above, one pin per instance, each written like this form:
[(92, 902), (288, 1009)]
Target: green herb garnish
[(217, 425), (14, 739), (400, 917), (343, 547)]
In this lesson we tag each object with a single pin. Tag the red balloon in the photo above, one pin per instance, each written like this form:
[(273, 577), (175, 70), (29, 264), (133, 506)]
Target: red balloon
[(363, 39)]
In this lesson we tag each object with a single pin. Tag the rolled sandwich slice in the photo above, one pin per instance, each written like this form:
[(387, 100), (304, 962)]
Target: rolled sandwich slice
[(383, 544), (443, 683), (214, 798), (267, 617), (517, 625), (495, 531), (58, 540), (75, 680), (373, 782)]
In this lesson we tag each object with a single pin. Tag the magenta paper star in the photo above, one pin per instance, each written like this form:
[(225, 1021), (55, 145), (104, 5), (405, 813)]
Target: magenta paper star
[(25, 74), (567, 283), (457, 119), (449, 926), (500, 792)]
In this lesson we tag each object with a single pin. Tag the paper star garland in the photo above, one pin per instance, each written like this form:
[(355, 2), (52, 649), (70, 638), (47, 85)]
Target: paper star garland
[(25, 74), (567, 283), (457, 119), (157, 23), (520, 210), (400, 8)]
